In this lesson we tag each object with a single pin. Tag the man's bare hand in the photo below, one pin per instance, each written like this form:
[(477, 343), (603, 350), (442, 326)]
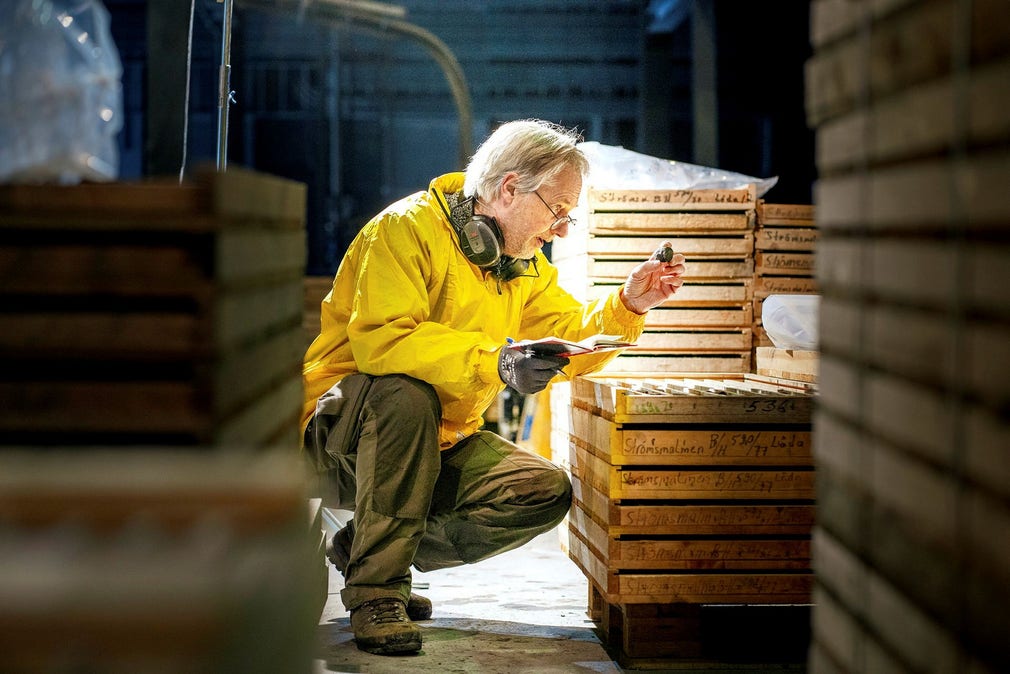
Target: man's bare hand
[(654, 281)]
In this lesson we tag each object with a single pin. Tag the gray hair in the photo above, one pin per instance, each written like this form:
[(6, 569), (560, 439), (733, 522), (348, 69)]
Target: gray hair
[(535, 149)]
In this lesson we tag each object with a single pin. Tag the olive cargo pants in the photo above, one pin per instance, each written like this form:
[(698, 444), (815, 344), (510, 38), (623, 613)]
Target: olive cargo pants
[(374, 443)]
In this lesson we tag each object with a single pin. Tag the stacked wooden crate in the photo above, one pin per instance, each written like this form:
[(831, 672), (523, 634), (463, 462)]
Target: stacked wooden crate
[(691, 495), (784, 241), (152, 513), (912, 547), (707, 326), (169, 561), (153, 313)]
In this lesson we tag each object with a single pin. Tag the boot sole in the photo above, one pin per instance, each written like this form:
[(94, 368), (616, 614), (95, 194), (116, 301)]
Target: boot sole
[(407, 643)]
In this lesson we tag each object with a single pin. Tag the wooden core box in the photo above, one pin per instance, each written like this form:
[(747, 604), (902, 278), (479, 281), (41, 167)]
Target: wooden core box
[(689, 492)]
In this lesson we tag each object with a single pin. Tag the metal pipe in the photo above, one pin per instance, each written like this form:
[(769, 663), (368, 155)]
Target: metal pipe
[(380, 19), (224, 93)]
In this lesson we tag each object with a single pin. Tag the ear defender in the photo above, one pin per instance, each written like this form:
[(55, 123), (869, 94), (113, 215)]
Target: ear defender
[(481, 240)]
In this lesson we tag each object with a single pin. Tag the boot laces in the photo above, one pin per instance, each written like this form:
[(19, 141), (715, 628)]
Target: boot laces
[(383, 611)]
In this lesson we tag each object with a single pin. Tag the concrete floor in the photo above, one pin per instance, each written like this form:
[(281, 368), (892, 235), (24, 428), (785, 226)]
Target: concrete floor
[(522, 611)]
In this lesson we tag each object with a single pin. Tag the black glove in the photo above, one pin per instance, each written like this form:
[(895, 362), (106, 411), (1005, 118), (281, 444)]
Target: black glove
[(526, 372)]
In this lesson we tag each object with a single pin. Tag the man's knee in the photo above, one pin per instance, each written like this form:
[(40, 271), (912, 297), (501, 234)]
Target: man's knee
[(407, 396)]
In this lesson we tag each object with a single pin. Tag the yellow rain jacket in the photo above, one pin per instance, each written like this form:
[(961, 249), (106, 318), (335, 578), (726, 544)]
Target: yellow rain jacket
[(406, 300)]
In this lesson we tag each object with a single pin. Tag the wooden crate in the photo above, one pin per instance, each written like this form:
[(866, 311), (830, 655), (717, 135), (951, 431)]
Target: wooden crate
[(153, 312), (157, 560), (787, 363), (689, 492)]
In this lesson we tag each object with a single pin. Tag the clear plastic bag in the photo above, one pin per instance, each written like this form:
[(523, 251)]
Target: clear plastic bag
[(60, 92), (614, 167), (791, 321)]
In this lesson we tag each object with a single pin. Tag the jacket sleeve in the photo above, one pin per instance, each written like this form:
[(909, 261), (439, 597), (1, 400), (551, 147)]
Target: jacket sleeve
[(552, 311), (402, 266)]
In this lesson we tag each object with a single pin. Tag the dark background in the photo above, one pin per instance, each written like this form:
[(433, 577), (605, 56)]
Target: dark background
[(364, 117)]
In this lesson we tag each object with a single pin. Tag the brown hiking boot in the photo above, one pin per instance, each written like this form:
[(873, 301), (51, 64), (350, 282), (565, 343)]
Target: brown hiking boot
[(338, 551), (381, 626)]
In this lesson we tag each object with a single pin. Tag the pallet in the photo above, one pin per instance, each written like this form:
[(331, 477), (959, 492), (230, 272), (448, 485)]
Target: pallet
[(692, 637)]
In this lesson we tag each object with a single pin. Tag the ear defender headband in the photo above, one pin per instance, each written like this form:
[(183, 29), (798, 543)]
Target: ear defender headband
[(482, 242)]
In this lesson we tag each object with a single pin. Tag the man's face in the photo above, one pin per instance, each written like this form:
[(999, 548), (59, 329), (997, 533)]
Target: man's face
[(527, 219)]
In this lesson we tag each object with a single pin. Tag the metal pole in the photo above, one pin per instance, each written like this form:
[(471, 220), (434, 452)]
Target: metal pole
[(224, 95)]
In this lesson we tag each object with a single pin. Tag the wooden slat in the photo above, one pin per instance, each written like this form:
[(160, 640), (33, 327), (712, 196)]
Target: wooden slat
[(213, 201), (727, 245), (680, 363), (785, 238), (786, 285), (707, 588), (881, 133), (694, 340), (585, 269), (669, 554), (668, 223), (672, 200), (711, 292), (785, 264), (628, 446), (919, 197), (621, 400), (740, 316), (663, 483), (787, 363), (785, 215)]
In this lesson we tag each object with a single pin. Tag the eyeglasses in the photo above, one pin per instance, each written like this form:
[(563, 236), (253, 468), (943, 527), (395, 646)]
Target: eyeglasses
[(558, 219)]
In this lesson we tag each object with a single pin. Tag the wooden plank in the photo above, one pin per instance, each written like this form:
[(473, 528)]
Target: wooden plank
[(626, 446), (668, 223), (100, 407), (213, 201), (785, 238), (589, 269), (102, 335), (692, 588), (669, 484), (894, 58), (693, 519), (740, 316), (104, 489), (723, 245), (624, 400), (243, 194), (672, 200), (679, 363), (155, 266), (878, 134), (785, 285), (708, 292), (928, 196), (785, 264), (785, 215), (669, 554), (901, 626), (695, 340), (118, 269), (787, 363)]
